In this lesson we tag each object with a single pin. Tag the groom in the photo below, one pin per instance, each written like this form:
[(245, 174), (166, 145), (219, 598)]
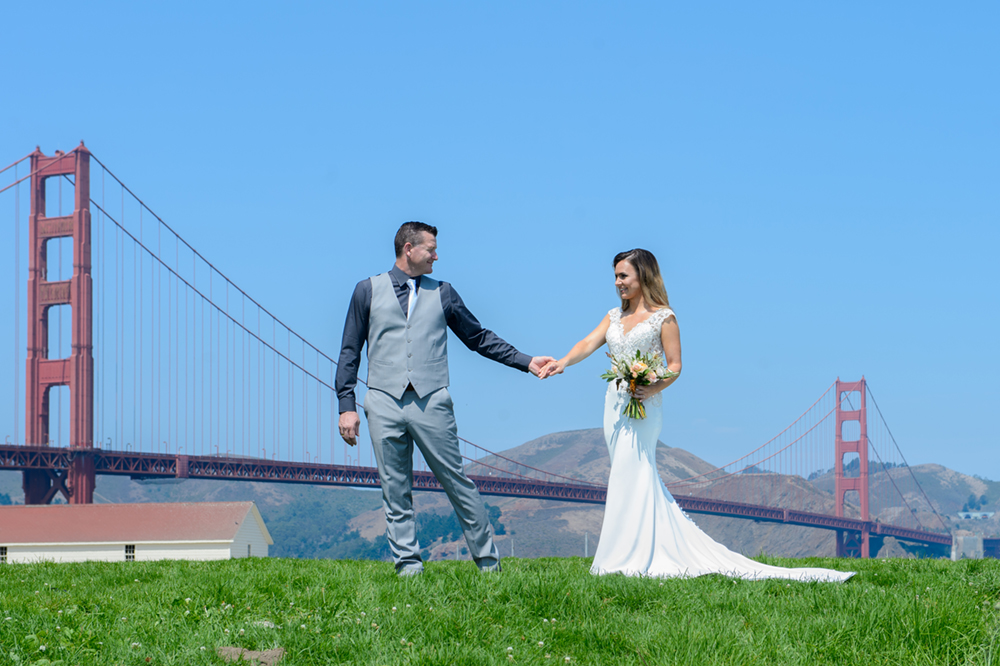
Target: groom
[(403, 316)]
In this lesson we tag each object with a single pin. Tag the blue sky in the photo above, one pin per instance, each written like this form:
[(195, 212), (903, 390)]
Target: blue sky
[(818, 181)]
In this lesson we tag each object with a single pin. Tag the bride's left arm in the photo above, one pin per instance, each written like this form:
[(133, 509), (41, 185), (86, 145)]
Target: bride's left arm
[(670, 337)]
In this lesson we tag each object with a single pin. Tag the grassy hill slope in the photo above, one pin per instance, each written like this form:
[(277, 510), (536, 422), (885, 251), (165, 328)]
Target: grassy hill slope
[(546, 611)]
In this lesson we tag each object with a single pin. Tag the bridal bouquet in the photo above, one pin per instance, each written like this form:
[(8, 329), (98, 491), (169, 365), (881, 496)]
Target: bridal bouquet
[(643, 370)]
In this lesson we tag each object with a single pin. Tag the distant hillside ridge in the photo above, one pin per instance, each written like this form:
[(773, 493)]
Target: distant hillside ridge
[(332, 522)]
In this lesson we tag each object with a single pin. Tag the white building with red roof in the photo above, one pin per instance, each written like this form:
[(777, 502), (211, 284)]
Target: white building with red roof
[(124, 532)]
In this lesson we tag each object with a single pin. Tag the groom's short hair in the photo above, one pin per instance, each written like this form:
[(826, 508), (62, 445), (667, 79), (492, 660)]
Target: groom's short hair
[(410, 233)]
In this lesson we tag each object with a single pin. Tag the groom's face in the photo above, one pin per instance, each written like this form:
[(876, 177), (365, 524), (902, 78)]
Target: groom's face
[(421, 257)]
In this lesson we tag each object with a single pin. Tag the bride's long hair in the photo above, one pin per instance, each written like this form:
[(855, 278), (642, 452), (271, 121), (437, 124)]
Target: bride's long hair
[(649, 276)]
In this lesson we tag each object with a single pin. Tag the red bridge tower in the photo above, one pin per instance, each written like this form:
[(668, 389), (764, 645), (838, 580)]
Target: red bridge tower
[(76, 371), (851, 544)]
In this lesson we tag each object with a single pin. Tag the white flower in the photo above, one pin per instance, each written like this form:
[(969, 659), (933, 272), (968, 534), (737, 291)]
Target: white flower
[(541, 643), (188, 600), (187, 612), (41, 648), (407, 605), (393, 609), (137, 580), (135, 645), (202, 647), (302, 626), (510, 649), (362, 613), (545, 620), (225, 631), (241, 632), (566, 659)]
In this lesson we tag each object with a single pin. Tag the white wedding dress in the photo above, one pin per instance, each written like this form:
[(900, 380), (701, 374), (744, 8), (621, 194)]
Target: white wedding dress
[(645, 533)]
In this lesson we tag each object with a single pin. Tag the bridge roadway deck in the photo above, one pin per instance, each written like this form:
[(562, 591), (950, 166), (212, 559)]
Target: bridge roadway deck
[(163, 465)]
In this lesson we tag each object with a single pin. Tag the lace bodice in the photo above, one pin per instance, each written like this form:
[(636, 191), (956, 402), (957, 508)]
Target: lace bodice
[(644, 337)]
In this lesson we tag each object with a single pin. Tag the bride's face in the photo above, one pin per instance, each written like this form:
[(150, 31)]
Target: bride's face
[(627, 280)]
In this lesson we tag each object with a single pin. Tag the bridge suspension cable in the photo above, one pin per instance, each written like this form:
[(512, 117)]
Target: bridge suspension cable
[(194, 369)]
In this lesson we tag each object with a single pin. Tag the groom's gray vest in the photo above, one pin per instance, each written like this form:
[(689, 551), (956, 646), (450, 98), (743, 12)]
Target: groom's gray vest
[(405, 351)]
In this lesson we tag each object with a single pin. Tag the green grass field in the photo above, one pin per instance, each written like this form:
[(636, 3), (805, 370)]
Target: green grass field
[(536, 612)]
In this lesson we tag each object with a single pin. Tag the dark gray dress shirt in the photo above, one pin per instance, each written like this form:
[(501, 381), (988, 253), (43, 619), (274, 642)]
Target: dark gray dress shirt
[(462, 323)]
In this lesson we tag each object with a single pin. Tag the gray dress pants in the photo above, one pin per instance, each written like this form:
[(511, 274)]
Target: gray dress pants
[(429, 422)]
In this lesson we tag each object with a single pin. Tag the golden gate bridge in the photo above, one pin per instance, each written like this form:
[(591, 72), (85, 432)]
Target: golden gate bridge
[(141, 358)]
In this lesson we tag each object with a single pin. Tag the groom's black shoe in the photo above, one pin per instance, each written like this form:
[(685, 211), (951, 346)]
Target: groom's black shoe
[(489, 566), (414, 569)]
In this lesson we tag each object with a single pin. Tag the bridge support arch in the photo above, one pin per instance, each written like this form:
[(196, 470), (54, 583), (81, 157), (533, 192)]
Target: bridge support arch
[(77, 370), (852, 544)]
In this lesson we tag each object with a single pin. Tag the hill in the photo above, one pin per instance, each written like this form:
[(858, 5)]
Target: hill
[(544, 528), (547, 611), (325, 522)]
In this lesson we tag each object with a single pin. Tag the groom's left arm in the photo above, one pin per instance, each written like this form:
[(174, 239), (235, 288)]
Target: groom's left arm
[(472, 334)]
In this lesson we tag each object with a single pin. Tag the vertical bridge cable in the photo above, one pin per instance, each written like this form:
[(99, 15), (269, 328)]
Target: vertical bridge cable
[(17, 300), (906, 464)]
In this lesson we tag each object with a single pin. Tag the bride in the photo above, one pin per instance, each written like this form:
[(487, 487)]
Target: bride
[(645, 533)]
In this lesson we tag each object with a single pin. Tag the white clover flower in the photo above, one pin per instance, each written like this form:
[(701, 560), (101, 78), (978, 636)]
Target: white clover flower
[(362, 614), (407, 605), (393, 609), (225, 631), (541, 643), (58, 612), (566, 659), (510, 649), (202, 647), (545, 620), (41, 648), (57, 627), (188, 600), (137, 580), (241, 632), (302, 626)]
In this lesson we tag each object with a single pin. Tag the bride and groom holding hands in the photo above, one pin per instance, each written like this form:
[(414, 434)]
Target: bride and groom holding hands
[(404, 316)]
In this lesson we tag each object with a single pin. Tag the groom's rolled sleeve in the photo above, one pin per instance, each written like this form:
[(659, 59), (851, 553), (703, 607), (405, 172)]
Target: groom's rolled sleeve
[(355, 335), (472, 334)]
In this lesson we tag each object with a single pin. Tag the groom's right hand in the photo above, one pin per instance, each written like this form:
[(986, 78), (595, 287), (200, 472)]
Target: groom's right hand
[(350, 425)]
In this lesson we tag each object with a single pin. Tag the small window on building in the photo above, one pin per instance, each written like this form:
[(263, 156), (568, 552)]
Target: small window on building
[(130, 553), (3, 554)]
